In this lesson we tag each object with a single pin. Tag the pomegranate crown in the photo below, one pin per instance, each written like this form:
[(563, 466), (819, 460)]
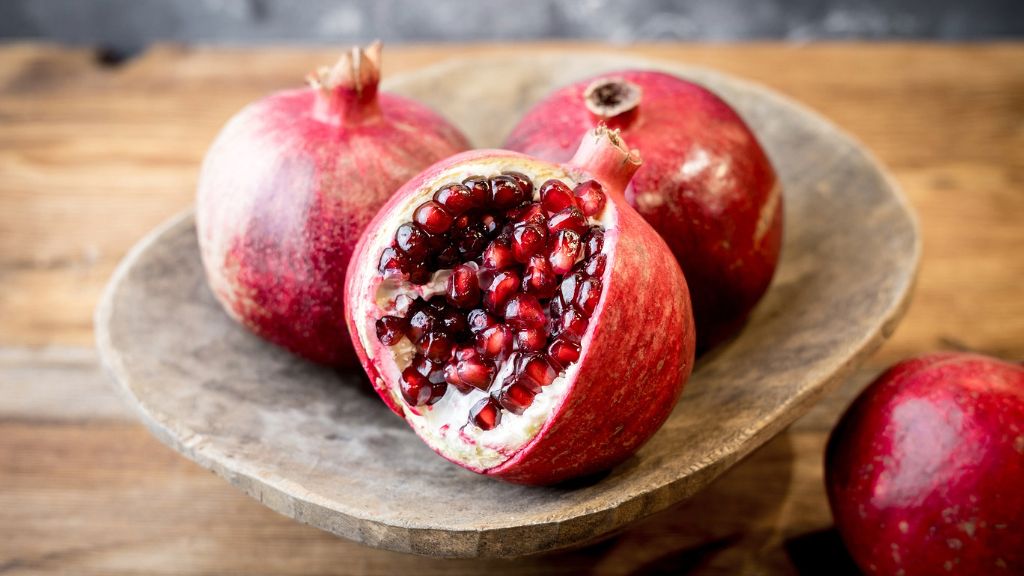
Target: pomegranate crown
[(603, 154), (358, 69), (610, 97)]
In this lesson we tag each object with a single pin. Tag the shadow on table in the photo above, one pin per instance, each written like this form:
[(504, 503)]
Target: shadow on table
[(821, 552), (724, 529)]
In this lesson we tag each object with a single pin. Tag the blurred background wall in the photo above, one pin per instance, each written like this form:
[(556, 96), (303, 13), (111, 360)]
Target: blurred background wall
[(125, 26)]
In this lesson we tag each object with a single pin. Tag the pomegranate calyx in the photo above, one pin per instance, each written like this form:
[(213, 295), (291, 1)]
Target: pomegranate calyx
[(604, 155), (614, 101), (347, 91)]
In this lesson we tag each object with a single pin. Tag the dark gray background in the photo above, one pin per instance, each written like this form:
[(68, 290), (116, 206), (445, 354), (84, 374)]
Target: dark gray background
[(127, 25)]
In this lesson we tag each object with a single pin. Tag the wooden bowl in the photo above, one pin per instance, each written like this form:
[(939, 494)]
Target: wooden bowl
[(320, 447)]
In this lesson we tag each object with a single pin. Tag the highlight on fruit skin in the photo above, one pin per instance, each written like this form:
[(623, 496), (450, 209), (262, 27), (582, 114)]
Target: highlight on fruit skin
[(522, 318), (925, 470), (289, 184), (706, 185)]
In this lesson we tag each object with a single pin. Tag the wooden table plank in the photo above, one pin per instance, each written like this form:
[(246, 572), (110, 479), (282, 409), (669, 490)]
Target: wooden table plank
[(99, 495), (92, 157)]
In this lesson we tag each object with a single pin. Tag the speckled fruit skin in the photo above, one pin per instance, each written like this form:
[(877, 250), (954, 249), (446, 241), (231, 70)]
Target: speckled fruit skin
[(925, 471), (285, 191), (640, 353), (706, 186)]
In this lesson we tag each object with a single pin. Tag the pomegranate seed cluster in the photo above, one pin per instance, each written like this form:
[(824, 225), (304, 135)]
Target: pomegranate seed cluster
[(525, 277)]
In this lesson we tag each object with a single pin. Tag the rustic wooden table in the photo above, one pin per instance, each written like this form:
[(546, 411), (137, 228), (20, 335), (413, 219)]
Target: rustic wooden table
[(92, 156)]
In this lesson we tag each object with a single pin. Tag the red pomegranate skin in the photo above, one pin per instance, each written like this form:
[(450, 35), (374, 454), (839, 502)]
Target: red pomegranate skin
[(706, 186), (925, 471), (287, 188), (642, 331)]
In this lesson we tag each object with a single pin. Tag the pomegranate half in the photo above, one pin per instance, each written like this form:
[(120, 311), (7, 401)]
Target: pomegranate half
[(706, 184), (288, 186), (925, 471), (522, 318)]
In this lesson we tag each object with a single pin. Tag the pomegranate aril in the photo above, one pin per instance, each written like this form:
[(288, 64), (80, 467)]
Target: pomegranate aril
[(539, 279), (525, 184), (435, 346), (490, 224), (476, 372), (517, 396), (528, 213), (422, 382), (564, 250), (479, 189), (485, 414), (415, 388), (455, 198), (593, 241), (572, 325), (588, 295), (463, 288), (527, 241), (471, 243), (464, 351), (447, 257), (432, 217), (502, 287), (568, 291), (451, 376), (391, 262), (432, 371), (494, 342), (556, 308), (499, 254), (569, 219), (531, 340), (479, 320), (390, 329), (537, 369), (413, 241), (590, 196), (421, 322), (524, 311), (556, 196), (594, 266), (451, 322), (563, 352), (506, 192)]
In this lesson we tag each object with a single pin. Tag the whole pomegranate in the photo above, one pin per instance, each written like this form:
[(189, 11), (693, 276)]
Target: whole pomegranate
[(288, 186), (925, 471), (523, 319), (706, 185)]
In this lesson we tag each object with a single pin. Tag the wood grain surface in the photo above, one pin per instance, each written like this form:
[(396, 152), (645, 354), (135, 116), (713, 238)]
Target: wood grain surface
[(91, 157)]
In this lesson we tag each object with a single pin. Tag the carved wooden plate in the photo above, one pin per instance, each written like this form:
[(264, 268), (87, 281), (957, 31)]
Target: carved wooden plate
[(320, 447)]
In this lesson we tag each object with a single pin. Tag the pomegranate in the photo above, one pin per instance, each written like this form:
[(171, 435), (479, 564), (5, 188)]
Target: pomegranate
[(522, 318), (706, 185), (925, 471), (288, 186)]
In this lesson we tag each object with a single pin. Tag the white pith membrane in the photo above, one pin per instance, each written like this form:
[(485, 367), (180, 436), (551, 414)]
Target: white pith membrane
[(445, 424)]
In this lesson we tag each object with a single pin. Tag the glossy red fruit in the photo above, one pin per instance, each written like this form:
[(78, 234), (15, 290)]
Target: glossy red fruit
[(706, 185), (555, 196), (625, 337), (925, 471), (286, 189)]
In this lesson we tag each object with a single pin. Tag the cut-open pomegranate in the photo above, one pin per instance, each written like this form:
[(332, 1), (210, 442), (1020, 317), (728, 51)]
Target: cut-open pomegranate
[(524, 320)]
